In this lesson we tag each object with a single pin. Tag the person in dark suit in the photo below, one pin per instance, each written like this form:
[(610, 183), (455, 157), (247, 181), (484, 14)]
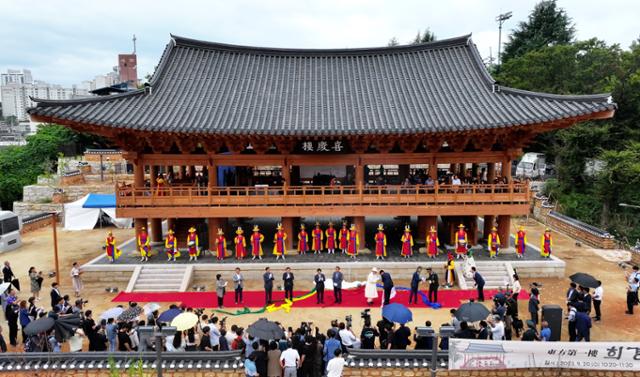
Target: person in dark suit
[(319, 280), (387, 285), (337, 279), (7, 273), (415, 284), (484, 333), (433, 285), (267, 277), (287, 277), (534, 305), (55, 295), (478, 283), (572, 293)]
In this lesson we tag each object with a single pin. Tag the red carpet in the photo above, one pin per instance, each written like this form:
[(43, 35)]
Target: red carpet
[(352, 298)]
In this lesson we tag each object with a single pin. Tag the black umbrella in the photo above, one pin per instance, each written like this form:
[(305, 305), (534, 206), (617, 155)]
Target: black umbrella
[(472, 312), (130, 314), (38, 326), (584, 280), (265, 330), (66, 326)]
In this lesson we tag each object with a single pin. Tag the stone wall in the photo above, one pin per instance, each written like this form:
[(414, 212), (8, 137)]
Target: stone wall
[(24, 209), (36, 224)]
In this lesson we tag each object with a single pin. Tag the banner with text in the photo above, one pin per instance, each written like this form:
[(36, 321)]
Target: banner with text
[(488, 354)]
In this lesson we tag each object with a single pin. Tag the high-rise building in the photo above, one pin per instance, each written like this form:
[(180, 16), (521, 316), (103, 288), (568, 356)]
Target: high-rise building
[(128, 68), (15, 76)]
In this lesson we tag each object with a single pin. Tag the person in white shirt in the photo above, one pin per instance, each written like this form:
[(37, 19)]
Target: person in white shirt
[(597, 300), (497, 328), (335, 365), (290, 361), (347, 337), (516, 287), (214, 334)]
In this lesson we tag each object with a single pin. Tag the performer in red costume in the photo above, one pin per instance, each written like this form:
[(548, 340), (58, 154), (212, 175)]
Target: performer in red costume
[(221, 245), (521, 242), (407, 242), (279, 243), (303, 240), (381, 243), (144, 245), (344, 237), (317, 236), (354, 242), (241, 244), (256, 243), (192, 244), (432, 242), (461, 242), (113, 253), (171, 246), (331, 239)]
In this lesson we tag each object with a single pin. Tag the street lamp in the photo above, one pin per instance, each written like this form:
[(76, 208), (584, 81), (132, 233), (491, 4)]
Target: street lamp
[(500, 19), (629, 205)]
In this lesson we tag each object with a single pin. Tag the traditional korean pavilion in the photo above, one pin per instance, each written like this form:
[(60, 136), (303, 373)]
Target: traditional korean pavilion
[(290, 133)]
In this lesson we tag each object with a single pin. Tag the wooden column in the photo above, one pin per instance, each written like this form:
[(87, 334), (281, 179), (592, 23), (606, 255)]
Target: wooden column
[(138, 182), (360, 227), (489, 221), (286, 174), (359, 177), (153, 173), (138, 224), (472, 230), (504, 227), (156, 230), (171, 223), (433, 169), (403, 171), (491, 172), (213, 176), (213, 223), (424, 224), (506, 168), (287, 225)]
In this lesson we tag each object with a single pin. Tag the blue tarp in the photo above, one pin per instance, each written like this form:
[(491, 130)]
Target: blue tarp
[(100, 201)]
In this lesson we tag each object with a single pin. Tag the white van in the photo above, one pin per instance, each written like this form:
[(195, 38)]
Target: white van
[(532, 165), (10, 226)]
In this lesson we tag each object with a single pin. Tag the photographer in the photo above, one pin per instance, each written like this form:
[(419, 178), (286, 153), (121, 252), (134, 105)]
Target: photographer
[(384, 327), (368, 335), (347, 337)]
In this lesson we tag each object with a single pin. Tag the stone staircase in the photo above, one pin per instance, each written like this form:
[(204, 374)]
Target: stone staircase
[(495, 275), (160, 278)]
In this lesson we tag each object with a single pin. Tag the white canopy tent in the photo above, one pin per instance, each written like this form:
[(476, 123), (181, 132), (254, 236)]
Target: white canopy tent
[(83, 214)]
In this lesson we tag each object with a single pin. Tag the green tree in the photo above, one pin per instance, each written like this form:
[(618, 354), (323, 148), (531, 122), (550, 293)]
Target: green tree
[(393, 42), (546, 25), (427, 36)]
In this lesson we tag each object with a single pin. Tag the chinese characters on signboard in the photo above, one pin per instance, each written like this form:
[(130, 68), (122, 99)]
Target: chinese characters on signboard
[(323, 146), (478, 354)]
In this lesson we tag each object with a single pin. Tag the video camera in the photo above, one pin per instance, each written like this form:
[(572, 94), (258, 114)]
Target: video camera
[(349, 320), (366, 314)]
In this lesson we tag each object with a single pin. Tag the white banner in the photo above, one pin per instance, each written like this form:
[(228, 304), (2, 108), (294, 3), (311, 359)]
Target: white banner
[(488, 354)]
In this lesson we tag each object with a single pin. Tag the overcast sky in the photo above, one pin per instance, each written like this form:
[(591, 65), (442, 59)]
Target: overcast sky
[(68, 41)]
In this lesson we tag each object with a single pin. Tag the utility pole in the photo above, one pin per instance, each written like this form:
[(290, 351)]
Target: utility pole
[(501, 18), (134, 44), (54, 220)]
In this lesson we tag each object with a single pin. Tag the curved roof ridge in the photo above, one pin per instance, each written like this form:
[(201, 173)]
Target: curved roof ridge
[(442, 43), (606, 97), (80, 101)]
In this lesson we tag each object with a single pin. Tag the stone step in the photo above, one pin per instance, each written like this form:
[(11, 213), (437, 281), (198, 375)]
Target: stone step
[(157, 285)]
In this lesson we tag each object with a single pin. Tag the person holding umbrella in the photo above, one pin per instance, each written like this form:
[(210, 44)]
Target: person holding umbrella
[(319, 280)]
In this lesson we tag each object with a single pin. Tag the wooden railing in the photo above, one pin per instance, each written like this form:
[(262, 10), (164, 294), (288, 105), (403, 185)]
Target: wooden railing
[(293, 196)]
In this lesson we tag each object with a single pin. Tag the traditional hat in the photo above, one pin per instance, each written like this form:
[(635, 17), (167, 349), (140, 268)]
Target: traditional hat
[(493, 229), (192, 230), (220, 231), (239, 231), (344, 223), (330, 223), (547, 230), (449, 256), (279, 226), (432, 229), (143, 228), (109, 233), (301, 226), (521, 227), (256, 228), (380, 227), (353, 226), (374, 269), (461, 226), (407, 228), (317, 223), (170, 231)]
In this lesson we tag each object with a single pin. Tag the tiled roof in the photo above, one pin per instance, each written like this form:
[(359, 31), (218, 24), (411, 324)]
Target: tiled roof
[(212, 88)]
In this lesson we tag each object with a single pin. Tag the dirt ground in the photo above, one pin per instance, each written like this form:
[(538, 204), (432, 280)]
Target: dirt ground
[(37, 250)]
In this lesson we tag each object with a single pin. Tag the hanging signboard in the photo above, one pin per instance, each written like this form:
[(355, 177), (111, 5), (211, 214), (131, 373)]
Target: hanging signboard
[(488, 354)]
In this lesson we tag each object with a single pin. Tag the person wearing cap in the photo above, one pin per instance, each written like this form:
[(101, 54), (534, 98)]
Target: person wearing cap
[(256, 243), (546, 244), (192, 244), (171, 246), (434, 284), (461, 241), (144, 244), (240, 243), (381, 243), (370, 289), (221, 245), (344, 237), (432, 242), (354, 242), (449, 271), (113, 253), (521, 241), (279, 242), (493, 243), (331, 239), (317, 236), (303, 240), (407, 242)]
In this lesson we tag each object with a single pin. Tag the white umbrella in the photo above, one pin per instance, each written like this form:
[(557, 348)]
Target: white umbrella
[(184, 321), (4, 287), (112, 313), (150, 307)]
